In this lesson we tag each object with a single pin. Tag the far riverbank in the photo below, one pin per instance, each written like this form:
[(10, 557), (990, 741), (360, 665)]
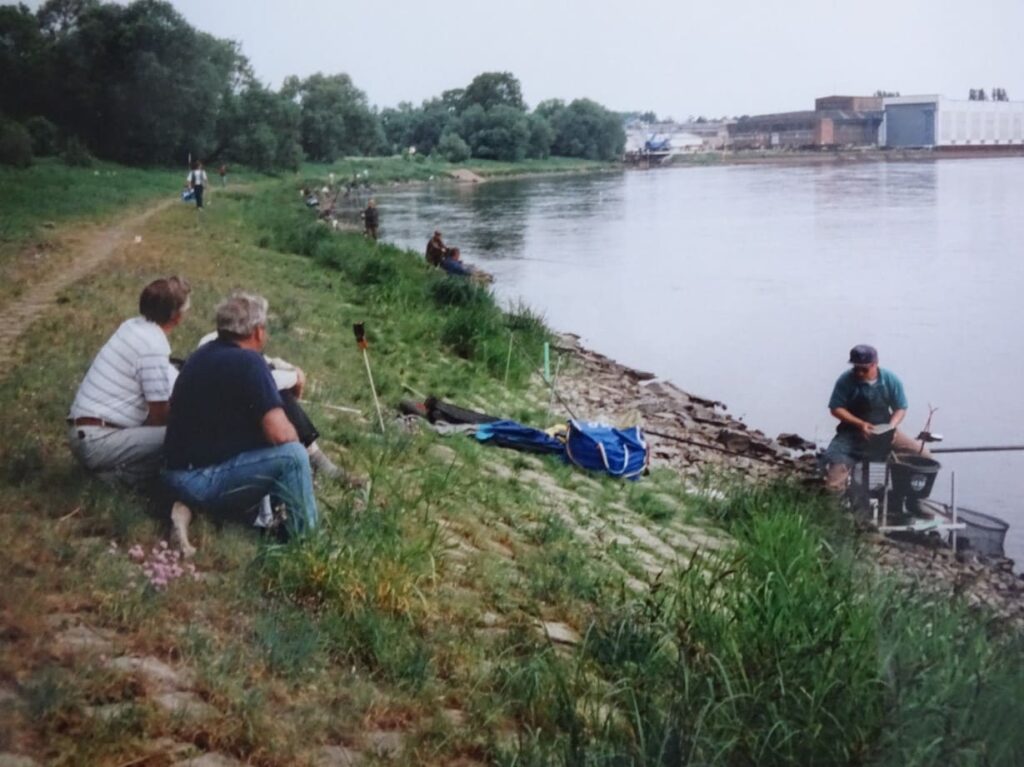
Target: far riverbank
[(796, 157)]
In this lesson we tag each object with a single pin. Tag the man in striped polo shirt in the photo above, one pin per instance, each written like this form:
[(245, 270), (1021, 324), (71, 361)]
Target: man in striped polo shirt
[(118, 418)]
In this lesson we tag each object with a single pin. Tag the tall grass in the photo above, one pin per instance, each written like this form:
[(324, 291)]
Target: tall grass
[(783, 651)]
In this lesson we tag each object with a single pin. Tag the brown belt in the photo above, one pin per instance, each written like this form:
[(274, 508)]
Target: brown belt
[(88, 420)]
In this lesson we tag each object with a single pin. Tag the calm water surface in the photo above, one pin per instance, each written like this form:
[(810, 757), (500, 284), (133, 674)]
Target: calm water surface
[(750, 284)]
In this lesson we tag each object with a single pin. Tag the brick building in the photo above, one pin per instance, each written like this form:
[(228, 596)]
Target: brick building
[(836, 121)]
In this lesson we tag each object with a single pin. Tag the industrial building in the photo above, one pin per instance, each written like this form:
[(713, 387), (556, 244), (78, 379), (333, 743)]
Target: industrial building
[(836, 121), (941, 123)]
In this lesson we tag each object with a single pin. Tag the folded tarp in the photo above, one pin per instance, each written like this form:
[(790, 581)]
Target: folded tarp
[(515, 435)]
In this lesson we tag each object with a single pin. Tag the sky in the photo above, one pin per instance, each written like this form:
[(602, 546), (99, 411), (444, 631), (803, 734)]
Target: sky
[(676, 58)]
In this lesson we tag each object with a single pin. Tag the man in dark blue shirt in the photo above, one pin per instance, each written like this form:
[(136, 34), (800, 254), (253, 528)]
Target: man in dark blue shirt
[(229, 441)]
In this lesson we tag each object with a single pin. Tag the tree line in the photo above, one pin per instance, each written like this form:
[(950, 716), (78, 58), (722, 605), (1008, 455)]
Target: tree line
[(139, 85)]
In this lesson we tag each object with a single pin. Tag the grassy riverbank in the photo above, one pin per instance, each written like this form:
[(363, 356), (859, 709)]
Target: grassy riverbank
[(480, 606), (415, 168)]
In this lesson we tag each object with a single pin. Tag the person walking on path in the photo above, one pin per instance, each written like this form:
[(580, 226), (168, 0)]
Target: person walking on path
[(371, 219), (223, 171), (868, 402), (229, 440), (118, 418), (197, 182)]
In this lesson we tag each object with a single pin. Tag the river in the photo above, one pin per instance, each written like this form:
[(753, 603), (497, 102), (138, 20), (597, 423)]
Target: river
[(749, 284)]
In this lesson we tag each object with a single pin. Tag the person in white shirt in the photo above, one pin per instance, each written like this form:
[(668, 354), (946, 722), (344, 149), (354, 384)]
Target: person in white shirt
[(196, 179), (118, 418)]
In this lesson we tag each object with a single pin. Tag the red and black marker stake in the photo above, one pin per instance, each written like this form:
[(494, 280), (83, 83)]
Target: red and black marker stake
[(359, 329)]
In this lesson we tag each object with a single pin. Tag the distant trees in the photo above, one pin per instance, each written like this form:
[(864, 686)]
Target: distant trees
[(260, 128), (336, 118), (491, 119), (420, 127), (585, 129), (493, 89), (136, 83)]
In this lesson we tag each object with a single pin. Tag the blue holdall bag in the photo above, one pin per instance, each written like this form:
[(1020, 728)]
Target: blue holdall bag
[(599, 447)]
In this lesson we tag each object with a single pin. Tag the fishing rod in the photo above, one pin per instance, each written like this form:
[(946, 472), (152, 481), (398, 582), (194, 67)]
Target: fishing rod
[(979, 449)]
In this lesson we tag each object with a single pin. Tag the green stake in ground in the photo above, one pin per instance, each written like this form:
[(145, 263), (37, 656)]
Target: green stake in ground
[(359, 329)]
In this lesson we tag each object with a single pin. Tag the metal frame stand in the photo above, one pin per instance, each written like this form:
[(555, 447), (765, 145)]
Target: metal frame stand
[(917, 526)]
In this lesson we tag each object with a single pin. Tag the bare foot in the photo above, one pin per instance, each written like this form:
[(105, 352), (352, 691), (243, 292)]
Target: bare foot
[(181, 516)]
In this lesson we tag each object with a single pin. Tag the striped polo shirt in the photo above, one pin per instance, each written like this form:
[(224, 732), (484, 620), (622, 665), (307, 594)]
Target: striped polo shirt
[(132, 369)]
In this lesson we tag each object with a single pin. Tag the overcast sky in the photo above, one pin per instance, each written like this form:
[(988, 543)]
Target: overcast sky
[(678, 58)]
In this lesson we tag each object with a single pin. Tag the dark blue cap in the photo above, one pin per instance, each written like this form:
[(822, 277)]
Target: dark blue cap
[(862, 354)]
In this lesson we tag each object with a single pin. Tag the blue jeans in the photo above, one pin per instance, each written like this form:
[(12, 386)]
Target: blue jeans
[(282, 472)]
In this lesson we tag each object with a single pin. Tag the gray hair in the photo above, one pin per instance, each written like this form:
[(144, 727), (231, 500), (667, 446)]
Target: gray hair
[(240, 314)]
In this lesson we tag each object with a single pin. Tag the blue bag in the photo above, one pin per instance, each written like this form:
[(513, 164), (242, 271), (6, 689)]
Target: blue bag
[(515, 435), (188, 195), (599, 447)]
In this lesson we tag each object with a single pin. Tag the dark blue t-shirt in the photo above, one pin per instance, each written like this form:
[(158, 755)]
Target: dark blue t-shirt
[(218, 405)]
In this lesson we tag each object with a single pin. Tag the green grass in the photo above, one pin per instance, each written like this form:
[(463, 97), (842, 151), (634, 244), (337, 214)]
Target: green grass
[(781, 652), (51, 192), (782, 648)]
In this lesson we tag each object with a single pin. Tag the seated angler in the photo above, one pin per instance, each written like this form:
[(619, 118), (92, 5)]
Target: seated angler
[(870, 404), (117, 420), (436, 249), (290, 381), (452, 263), (229, 440)]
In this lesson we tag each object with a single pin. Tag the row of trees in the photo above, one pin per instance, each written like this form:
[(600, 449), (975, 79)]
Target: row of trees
[(489, 119), (139, 85)]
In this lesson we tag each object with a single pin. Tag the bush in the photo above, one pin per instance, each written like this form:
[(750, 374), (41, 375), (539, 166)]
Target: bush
[(459, 292), (76, 155), (15, 145), (452, 148), (44, 136)]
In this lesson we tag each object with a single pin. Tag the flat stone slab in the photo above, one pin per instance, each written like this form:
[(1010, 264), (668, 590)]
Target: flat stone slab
[(109, 712), (456, 717), (8, 759), (338, 756), (560, 633), (185, 704), (209, 760), (8, 697), (387, 744), (442, 453), (81, 639), (157, 674), (168, 747)]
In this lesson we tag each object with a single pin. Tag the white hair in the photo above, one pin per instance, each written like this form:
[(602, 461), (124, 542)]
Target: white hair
[(240, 314)]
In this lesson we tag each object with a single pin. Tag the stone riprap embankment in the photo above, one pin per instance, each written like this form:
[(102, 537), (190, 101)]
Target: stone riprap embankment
[(693, 435), (689, 433)]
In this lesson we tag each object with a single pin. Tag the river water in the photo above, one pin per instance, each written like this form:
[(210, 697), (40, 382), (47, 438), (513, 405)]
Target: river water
[(749, 284)]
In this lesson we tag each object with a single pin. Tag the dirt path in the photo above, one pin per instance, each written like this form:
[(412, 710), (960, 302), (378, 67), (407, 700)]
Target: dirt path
[(18, 315)]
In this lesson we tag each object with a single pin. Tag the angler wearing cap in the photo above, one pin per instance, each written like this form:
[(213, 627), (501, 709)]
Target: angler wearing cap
[(869, 402)]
